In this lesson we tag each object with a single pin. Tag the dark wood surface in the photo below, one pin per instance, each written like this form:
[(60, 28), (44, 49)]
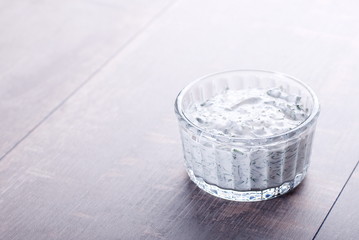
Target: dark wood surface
[(342, 222), (90, 143)]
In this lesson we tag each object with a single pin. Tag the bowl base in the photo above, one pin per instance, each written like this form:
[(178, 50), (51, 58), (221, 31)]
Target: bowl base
[(247, 196)]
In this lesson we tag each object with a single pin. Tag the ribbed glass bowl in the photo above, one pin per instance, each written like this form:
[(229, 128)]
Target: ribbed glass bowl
[(246, 169)]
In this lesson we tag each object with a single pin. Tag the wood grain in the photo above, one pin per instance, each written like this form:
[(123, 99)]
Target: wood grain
[(49, 49), (342, 222), (108, 163)]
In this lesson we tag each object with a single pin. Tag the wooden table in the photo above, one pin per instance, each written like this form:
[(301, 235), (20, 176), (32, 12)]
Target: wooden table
[(89, 141)]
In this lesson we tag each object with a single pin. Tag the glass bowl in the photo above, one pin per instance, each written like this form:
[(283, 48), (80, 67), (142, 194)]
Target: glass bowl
[(246, 168)]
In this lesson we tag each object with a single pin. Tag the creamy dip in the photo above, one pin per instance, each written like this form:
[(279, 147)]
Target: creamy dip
[(249, 113)]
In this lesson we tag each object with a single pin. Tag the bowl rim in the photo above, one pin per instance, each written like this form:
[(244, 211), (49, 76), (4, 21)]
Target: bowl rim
[(294, 131)]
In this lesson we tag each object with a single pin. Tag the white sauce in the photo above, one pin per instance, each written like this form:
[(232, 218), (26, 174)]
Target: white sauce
[(249, 113)]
